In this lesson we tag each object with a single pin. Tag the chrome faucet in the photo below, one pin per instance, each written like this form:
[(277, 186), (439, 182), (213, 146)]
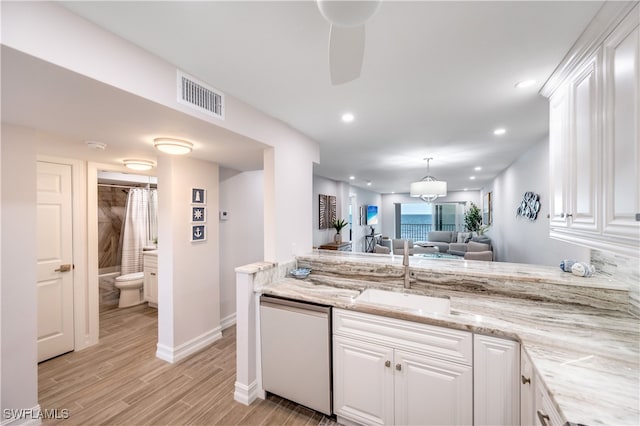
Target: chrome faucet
[(405, 262)]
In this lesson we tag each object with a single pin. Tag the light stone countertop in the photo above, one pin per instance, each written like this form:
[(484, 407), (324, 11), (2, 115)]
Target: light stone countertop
[(587, 357)]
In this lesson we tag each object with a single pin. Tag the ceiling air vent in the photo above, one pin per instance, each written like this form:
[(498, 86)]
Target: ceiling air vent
[(200, 96)]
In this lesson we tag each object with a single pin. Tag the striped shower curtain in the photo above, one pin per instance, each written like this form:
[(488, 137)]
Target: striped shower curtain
[(135, 233)]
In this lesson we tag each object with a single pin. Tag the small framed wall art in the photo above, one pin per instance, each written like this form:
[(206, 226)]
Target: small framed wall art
[(198, 233), (198, 196), (198, 214)]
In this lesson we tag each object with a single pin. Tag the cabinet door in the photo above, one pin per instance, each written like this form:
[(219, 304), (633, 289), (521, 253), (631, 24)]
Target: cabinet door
[(362, 381), (496, 374), (558, 157), (584, 148), (432, 392), (621, 133), (527, 391)]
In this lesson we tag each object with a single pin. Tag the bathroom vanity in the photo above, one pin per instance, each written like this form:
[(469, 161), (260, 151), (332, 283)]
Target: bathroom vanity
[(521, 344), (150, 267)]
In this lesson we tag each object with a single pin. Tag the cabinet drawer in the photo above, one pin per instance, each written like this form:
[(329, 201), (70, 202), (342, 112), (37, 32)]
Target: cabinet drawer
[(150, 262), (448, 344)]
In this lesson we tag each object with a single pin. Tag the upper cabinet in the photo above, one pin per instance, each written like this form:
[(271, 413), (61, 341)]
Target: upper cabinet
[(594, 146)]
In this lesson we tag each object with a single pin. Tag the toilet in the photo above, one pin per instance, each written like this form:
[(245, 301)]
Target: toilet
[(130, 286)]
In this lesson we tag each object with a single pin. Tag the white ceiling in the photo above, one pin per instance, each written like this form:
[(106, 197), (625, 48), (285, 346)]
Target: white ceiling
[(437, 79)]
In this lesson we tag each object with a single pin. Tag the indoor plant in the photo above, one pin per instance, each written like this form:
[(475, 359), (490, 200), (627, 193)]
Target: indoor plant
[(338, 224), (473, 220)]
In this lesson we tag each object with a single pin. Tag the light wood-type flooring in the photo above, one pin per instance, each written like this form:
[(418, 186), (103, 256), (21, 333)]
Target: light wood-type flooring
[(121, 382)]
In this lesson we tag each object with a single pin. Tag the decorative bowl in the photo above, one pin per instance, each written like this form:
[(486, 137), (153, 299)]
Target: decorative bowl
[(300, 273)]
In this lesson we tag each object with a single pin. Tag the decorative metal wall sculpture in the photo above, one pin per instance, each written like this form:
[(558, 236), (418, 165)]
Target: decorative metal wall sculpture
[(529, 206), (327, 210)]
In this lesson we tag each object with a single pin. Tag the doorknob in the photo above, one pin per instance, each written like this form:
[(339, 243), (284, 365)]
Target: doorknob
[(64, 268)]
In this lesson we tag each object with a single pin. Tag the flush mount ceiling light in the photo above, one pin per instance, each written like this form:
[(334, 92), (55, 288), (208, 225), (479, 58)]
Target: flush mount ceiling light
[(428, 188), (477, 168), (173, 146), (347, 117), (500, 131), (140, 165)]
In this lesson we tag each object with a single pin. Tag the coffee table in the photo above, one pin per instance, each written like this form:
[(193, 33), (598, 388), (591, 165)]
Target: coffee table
[(438, 256)]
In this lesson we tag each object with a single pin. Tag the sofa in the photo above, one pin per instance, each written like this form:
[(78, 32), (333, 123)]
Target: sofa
[(457, 243)]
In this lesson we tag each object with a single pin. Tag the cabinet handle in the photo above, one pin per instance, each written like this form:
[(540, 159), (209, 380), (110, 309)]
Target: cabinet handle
[(387, 363), (543, 417), (569, 215), (399, 367), (153, 274), (525, 380)]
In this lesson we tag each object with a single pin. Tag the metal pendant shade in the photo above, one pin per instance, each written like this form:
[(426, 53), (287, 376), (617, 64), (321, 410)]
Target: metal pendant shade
[(428, 188)]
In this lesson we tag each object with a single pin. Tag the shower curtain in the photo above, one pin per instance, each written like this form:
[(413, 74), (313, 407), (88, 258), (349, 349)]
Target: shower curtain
[(136, 229)]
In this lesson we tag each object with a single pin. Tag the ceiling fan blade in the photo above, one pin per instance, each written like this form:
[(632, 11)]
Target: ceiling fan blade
[(346, 51)]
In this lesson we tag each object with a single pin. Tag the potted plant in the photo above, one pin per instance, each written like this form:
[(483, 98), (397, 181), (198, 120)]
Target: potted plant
[(473, 220), (338, 224)]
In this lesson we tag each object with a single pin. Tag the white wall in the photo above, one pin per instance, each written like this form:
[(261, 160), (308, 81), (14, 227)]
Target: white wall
[(19, 368), (516, 239), (345, 194), (241, 235), (364, 198), (325, 186), (188, 272), (390, 200)]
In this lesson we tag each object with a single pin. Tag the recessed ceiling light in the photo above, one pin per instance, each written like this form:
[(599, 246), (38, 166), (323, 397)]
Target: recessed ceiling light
[(368, 183), (524, 84), (477, 168), (138, 164), (347, 117), (472, 177), (352, 177), (500, 131), (466, 189), (173, 146)]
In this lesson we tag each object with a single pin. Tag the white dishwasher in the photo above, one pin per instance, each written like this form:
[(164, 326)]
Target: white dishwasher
[(296, 351)]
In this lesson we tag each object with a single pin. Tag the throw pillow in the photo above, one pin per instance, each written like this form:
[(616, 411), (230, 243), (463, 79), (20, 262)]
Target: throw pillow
[(463, 237)]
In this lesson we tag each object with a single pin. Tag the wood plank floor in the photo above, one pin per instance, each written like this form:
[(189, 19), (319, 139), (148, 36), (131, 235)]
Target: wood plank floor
[(121, 382)]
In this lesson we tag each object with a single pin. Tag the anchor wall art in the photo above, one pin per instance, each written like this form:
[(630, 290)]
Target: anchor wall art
[(198, 214)]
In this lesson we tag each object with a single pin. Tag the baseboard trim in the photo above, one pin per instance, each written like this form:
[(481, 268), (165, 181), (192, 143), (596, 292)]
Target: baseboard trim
[(246, 394), (228, 321), (175, 354), (25, 419)]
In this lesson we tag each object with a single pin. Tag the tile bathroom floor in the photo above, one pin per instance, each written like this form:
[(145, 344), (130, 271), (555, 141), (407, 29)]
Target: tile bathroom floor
[(119, 381)]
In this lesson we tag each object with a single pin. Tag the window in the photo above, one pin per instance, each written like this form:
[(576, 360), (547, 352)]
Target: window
[(416, 220)]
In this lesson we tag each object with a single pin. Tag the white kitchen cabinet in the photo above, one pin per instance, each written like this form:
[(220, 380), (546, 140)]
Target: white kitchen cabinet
[(594, 145), (150, 267), (575, 151), (389, 371), (621, 134), (496, 375), (527, 391), (429, 391), (363, 381)]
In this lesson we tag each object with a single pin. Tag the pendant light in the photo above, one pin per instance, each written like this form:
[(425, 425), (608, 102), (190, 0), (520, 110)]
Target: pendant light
[(428, 188)]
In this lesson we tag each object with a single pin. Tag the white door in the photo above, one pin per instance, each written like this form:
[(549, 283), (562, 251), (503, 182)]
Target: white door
[(432, 392), (55, 270)]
